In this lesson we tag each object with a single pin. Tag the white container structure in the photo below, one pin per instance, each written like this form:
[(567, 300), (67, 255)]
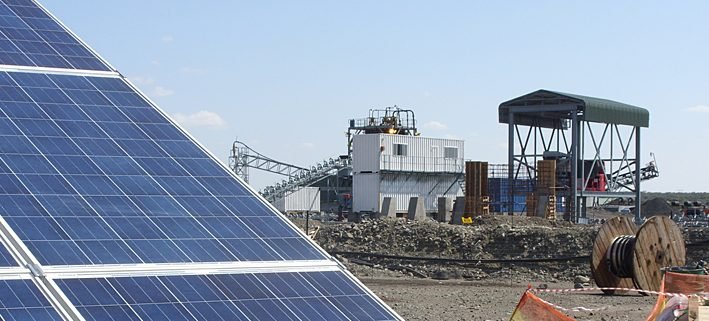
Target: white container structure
[(404, 166), (305, 199)]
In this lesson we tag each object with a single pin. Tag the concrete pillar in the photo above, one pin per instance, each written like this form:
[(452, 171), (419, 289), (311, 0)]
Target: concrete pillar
[(417, 209), (445, 206), (389, 207), (458, 210)]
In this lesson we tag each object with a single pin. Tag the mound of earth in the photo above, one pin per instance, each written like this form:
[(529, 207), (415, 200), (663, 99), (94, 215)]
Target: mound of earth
[(490, 237), (656, 206), (494, 237)]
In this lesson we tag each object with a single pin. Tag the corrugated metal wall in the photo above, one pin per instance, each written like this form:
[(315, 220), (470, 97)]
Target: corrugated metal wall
[(375, 152), (365, 153), (365, 193), (424, 154), (303, 199), (430, 187)]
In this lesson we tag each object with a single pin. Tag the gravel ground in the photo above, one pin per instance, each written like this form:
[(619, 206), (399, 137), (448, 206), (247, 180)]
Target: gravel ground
[(426, 299)]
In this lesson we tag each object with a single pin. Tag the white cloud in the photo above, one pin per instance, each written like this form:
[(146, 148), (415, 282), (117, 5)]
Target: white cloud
[(435, 125), (202, 118), (160, 91), (699, 109), (167, 39), (309, 145)]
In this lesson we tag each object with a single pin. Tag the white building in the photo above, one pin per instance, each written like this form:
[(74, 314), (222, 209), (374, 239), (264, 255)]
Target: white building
[(404, 166)]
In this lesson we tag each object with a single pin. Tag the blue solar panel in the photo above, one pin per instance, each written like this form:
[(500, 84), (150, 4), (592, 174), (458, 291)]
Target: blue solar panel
[(327, 296), (5, 257), (21, 300), (92, 173), (30, 37)]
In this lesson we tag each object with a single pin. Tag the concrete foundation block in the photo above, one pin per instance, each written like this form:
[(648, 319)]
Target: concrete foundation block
[(445, 209), (417, 209), (458, 210), (388, 207)]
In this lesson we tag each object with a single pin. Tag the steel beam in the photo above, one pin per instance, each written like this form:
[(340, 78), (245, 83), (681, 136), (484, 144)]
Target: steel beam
[(638, 216)]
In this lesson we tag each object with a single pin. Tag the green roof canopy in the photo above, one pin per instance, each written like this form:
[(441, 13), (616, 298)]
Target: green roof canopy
[(545, 108)]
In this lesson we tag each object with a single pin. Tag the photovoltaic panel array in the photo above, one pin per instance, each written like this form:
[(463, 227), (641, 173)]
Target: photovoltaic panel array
[(93, 174), (21, 300), (5, 258), (326, 296), (117, 214), (30, 37)]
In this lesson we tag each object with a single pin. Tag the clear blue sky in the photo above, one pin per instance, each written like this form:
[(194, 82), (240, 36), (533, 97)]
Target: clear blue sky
[(286, 76)]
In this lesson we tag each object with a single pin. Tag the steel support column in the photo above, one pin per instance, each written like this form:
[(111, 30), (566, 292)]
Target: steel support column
[(574, 166), (638, 216), (510, 163)]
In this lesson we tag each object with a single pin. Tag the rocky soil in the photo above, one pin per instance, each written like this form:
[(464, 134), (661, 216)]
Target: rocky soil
[(489, 238), (478, 289)]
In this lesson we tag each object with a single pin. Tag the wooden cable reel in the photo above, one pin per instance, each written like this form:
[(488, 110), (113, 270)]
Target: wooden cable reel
[(627, 257)]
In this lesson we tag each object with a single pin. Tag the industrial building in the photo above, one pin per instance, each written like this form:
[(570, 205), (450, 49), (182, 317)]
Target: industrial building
[(404, 166), (386, 158), (565, 152)]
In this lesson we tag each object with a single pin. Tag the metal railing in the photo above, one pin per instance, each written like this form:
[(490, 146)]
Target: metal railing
[(395, 163)]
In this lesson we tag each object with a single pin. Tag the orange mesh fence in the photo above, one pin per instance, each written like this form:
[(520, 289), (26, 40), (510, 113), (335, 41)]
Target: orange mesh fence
[(531, 308), (681, 285)]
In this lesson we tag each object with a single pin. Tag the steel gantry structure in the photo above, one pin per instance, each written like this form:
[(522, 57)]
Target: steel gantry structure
[(592, 140)]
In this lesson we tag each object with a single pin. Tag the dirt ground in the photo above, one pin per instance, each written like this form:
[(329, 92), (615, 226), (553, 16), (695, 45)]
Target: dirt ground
[(427, 299), (479, 289)]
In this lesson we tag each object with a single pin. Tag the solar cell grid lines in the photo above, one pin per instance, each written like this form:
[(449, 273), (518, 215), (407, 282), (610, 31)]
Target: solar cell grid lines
[(115, 213), (114, 181), (21, 300), (5, 257), (269, 296), (30, 37)]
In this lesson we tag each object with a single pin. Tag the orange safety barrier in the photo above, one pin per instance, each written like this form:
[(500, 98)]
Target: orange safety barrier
[(682, 289), (532, 308)]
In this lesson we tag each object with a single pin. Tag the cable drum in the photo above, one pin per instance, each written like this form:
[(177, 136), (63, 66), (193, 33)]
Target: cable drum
[(624, 258), (620, 256)]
